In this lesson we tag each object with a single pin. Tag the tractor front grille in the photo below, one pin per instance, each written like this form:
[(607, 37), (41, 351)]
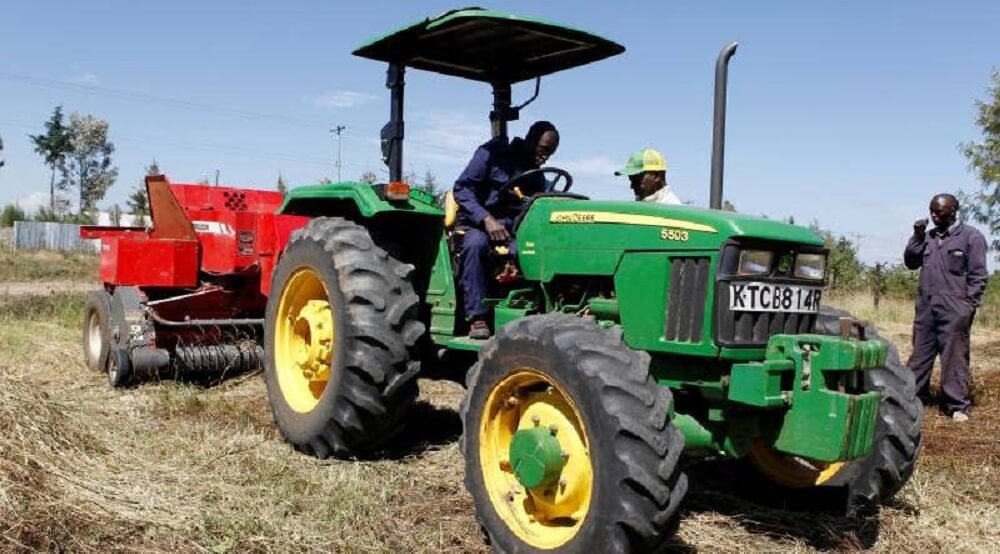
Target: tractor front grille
[(686, 299), (734, 328)]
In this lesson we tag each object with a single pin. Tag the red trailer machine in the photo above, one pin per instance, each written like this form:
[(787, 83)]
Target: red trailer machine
[(185, 294)]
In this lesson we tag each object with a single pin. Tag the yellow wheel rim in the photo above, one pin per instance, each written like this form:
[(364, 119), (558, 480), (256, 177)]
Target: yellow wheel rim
[(792, 471), (547, 516), (303, 340)]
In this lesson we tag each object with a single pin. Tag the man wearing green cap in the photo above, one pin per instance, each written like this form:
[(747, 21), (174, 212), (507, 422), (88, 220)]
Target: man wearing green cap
[(647, 174)]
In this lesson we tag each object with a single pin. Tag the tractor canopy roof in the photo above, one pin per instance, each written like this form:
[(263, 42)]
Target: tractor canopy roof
[(489, 46)]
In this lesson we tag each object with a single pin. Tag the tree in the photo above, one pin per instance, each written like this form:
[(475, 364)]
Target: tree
[(844, 269), (88, 166), (369, 177), (1, 152), (10, 214), (115, 214), (728, 206), (431, 187), (138, 202), (53, 146), (327, 181), (282, 185), (984, 160)]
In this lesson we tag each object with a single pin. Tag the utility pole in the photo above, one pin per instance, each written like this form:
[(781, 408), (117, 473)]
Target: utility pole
[(877, 288), (857, 243), (338, 129)]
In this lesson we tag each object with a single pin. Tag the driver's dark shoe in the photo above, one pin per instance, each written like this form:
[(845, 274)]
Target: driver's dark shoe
[(479, 330)]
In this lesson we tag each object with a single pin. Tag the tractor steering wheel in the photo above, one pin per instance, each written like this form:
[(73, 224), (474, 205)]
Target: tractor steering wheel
[(550, 186)]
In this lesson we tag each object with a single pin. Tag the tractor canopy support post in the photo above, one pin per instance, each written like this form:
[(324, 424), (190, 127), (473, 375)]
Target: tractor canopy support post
[(392, 132), (719, 126), (502, 112)]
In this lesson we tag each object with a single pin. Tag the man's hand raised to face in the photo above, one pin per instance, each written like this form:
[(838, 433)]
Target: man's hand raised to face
[(919, 228), (496, 231)]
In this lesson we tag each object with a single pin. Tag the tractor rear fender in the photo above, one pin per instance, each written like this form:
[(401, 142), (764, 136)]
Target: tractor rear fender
[(410, 230), (351, 199)]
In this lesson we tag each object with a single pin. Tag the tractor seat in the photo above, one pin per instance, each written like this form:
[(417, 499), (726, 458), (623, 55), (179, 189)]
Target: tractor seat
[(450, 211), (451, 216)]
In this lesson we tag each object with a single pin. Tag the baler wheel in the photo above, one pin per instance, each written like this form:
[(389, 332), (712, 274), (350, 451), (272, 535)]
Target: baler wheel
[(119, 368), (880, 475), (568, 443), (340, 329), (96, 330)]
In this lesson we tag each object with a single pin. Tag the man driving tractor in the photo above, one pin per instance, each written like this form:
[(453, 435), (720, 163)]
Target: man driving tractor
[(487, 210)]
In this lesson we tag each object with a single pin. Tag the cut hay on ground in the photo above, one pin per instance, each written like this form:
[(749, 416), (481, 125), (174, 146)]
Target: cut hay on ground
[(170, 466)]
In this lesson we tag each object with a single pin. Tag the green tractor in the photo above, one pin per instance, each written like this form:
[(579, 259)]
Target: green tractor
[(637, 333)]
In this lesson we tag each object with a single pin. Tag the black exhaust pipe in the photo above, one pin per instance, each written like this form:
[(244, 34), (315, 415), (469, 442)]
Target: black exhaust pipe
[(719, 127)]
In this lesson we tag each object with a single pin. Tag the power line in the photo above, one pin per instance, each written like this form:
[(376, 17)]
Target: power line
[(144, 97), (98, 90), (239, 151)]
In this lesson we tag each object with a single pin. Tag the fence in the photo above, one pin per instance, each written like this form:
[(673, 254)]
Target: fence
[(45, 235)]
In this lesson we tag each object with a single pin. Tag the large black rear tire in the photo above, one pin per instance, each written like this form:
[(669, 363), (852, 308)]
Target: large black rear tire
[(560, 364), (343, 391)]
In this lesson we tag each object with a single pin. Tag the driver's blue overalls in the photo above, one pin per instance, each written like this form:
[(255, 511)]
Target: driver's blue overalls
[(477, 192)]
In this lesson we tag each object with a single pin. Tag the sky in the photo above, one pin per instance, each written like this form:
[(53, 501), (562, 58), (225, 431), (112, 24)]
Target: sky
[(848, 114)]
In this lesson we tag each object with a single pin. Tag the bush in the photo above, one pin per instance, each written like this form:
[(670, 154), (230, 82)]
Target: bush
[(10, 214)]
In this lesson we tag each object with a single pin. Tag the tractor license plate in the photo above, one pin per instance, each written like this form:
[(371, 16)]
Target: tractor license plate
[(770, 297)]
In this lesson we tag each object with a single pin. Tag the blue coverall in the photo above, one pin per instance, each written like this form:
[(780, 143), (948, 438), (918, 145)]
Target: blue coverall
[(952, 280), (477, 192)]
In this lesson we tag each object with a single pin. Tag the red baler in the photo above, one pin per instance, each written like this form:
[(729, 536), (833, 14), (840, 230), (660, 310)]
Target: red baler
[(188, 292)]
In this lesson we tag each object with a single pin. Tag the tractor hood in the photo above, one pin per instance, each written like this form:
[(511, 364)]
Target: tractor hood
[(649, 219), (555, 227)]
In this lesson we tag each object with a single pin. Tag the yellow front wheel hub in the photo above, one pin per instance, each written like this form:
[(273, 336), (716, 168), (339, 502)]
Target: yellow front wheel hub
[(792, 471), (303, 340), (535, 458)]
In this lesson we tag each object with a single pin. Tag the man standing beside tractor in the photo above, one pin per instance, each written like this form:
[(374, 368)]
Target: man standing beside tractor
[(487, 210), (647, 174), (952, 262)]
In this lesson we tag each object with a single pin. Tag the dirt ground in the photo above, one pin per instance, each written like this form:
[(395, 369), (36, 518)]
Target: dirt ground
[(175, 466), (19, 288)]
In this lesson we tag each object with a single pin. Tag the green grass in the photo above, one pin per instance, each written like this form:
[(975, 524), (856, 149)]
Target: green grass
[(44, 265), (62, 308)]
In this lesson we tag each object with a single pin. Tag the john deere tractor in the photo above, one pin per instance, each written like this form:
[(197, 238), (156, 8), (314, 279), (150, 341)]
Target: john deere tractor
[(635, 334)]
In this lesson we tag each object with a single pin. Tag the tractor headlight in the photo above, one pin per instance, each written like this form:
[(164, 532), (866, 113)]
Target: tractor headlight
[(810, 266), (755, 262)]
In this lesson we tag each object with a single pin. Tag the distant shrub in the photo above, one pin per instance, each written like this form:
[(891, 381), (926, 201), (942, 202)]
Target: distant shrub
[(10, 214)]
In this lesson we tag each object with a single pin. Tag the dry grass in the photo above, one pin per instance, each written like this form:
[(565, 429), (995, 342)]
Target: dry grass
[(894, 310), (172, 466)]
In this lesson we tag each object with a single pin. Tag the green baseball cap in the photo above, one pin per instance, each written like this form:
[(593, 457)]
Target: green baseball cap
[(646, 159)]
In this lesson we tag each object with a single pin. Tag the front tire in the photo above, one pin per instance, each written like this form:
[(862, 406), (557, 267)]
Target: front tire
[(571, 391), (879, 476), (876, 478), (340, 328)]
